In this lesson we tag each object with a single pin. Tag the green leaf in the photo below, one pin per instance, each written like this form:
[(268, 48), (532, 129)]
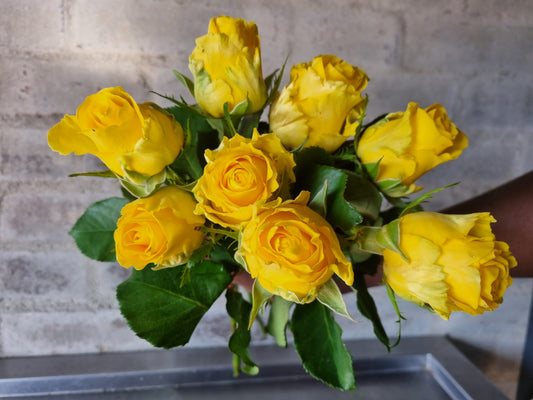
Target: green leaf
[(248, 123), (223, 253), (311, 156), (161, 311), (93, 232), (331, 297), (219, 125), (278, 320), (197, 257), (340, 213), (318, 203), (363, 196), (367, 307), (239, 310), (318, 341)]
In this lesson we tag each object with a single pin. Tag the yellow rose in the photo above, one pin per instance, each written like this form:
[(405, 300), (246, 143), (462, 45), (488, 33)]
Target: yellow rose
[(321, 104), (226, 66), (160, 229), (124, 135), (293, 251), (242, 175), (408, 144), (453, 263)]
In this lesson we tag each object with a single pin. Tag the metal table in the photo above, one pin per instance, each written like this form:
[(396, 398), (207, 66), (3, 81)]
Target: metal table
[(420, 368)]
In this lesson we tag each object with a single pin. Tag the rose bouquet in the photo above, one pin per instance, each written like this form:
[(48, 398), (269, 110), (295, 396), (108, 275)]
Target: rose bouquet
[(310, 200)]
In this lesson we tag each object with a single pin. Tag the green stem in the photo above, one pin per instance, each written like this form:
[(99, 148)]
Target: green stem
[(236, 359), (229, 122)]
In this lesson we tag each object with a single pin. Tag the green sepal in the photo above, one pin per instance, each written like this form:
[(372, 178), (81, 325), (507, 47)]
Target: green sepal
[(392, 298), (279, 319), (391, 187), (415, 205), (189, 84), (239, 259), (359, 128), (366, 241), (162, 311), (389, 237), (331, 297), (372, 169), (239, 311), (192, 109), (100, 174), (158, 267), (174, 179), (353, 250), (241, 108), (273, 82), (259, 297), (395, 188), (93, 231), (375, 239), (140, 185), (318, 342), (126, 194)]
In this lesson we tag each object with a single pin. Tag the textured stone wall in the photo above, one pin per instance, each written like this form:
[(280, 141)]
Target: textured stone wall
[(472, 56)]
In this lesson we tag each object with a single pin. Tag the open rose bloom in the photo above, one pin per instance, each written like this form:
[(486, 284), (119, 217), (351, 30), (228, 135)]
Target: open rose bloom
[(449, 262), (127, 137), (160, 229), (241, 176), (321, 104), (293, 251)]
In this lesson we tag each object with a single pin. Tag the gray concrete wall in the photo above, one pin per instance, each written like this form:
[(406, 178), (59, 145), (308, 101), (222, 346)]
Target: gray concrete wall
[(473, 56)]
